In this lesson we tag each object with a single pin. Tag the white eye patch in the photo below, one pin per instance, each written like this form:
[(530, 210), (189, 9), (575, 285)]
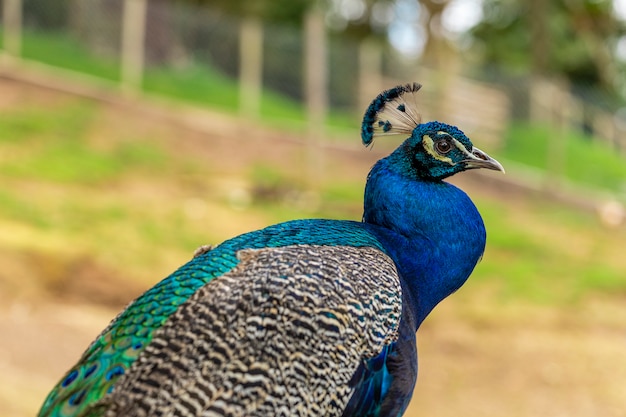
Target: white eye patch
[(429, 146)]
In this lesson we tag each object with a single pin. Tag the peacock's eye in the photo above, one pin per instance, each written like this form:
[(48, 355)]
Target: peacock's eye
[(443, 146)]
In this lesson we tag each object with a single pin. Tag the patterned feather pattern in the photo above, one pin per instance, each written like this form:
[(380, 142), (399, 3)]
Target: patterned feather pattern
[(303, 319), (113, 352)]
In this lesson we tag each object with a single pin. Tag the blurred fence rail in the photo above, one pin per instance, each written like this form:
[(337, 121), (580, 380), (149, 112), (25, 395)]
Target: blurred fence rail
[(552, 103)]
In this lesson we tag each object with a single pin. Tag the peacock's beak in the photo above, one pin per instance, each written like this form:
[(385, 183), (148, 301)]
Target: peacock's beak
[(479, 159)]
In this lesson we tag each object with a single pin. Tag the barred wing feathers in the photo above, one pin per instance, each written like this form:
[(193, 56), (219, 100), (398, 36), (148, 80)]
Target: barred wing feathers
[(281, 334)]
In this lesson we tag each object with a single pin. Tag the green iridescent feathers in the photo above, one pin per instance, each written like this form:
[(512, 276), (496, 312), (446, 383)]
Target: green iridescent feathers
[(115, 350)]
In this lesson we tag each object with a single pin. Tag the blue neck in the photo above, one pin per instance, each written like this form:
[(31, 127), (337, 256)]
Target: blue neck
[(431, 229)]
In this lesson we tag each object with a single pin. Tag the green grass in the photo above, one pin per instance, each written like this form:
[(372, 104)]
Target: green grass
[(197, 85), (549, 253), (47, 144), (204, 86), (592, 163), (67, 182), (17, 208), (65, 51)]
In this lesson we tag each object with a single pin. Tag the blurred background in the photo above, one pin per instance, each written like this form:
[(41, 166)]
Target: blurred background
[(134, 131)]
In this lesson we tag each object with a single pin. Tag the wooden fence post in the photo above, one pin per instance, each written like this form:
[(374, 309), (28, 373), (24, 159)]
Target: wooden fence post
[(315, 67), (536, 110), (557, 145), (619, 121), (133, 46), (12, 22), (250, 67), (315, 76)]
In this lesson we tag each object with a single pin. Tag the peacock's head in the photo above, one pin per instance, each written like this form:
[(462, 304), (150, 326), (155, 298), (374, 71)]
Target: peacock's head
[(433, 150)]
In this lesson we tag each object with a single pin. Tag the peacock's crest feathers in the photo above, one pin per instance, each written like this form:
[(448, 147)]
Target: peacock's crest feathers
[(393, 112)]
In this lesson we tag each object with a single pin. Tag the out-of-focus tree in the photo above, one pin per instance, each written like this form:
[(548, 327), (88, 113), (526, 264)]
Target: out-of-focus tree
[(420, 21), (437, 49), (574, 38), (283, 11)]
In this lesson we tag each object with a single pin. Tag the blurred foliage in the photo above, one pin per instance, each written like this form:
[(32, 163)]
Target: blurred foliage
[(574, 38), (354, 19), (46, 17), (283, 11)]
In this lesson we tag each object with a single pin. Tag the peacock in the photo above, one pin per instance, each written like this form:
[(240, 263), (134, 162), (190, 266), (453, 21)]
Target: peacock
[(309, 317)]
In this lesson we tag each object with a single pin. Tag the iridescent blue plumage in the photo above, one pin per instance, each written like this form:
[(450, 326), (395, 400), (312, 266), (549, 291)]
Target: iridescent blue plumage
[(308, 317)]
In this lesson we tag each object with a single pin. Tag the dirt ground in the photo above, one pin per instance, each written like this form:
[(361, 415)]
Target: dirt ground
[(524, 360), (521, 362)]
